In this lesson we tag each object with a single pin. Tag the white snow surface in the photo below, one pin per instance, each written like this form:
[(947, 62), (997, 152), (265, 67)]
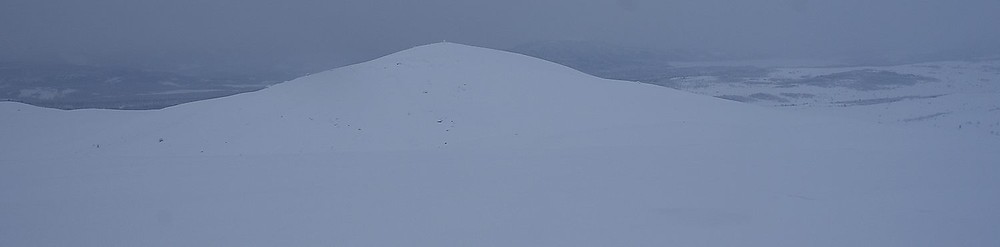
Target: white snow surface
[(452, 145)]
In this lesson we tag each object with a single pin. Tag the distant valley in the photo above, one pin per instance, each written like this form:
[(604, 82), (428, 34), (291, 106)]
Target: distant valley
[(67, 86), (958, 95)]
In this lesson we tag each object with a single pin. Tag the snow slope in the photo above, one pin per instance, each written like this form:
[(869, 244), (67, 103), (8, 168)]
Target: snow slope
[(451, 145)]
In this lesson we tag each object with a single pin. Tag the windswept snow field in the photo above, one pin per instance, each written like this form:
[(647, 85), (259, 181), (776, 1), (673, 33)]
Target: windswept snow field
[(452, 145)]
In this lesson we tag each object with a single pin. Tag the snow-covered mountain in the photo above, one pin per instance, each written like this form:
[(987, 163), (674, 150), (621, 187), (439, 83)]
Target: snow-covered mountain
[(452, 145)]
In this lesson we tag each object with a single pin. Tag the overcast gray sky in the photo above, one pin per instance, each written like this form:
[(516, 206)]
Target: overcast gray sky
[(354, 30)]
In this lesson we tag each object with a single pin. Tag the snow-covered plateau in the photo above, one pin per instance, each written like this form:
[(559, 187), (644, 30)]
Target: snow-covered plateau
[(453, 145)]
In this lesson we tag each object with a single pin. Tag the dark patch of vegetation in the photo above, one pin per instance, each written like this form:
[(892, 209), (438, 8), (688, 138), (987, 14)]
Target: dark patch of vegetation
[(738, 98), (866, 79), (671, 77), (862, 102), (922, 118), (799, 95), (931, 66), (768, 97)]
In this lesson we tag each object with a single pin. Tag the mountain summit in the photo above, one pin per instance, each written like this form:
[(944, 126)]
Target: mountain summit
[(426, 97), (453, 145)]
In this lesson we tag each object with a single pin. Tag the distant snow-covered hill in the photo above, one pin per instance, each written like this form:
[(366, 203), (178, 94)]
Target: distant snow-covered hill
[(960, 96), (446, 144)]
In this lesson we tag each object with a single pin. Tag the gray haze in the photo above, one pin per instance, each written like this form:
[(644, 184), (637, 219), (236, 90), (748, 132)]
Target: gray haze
[(328, 33)]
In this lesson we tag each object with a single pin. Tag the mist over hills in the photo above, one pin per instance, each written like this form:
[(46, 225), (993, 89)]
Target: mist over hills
[(952, 92), (110, 80), (562, 123), (447, 144), (66, 86), (203, 74)]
